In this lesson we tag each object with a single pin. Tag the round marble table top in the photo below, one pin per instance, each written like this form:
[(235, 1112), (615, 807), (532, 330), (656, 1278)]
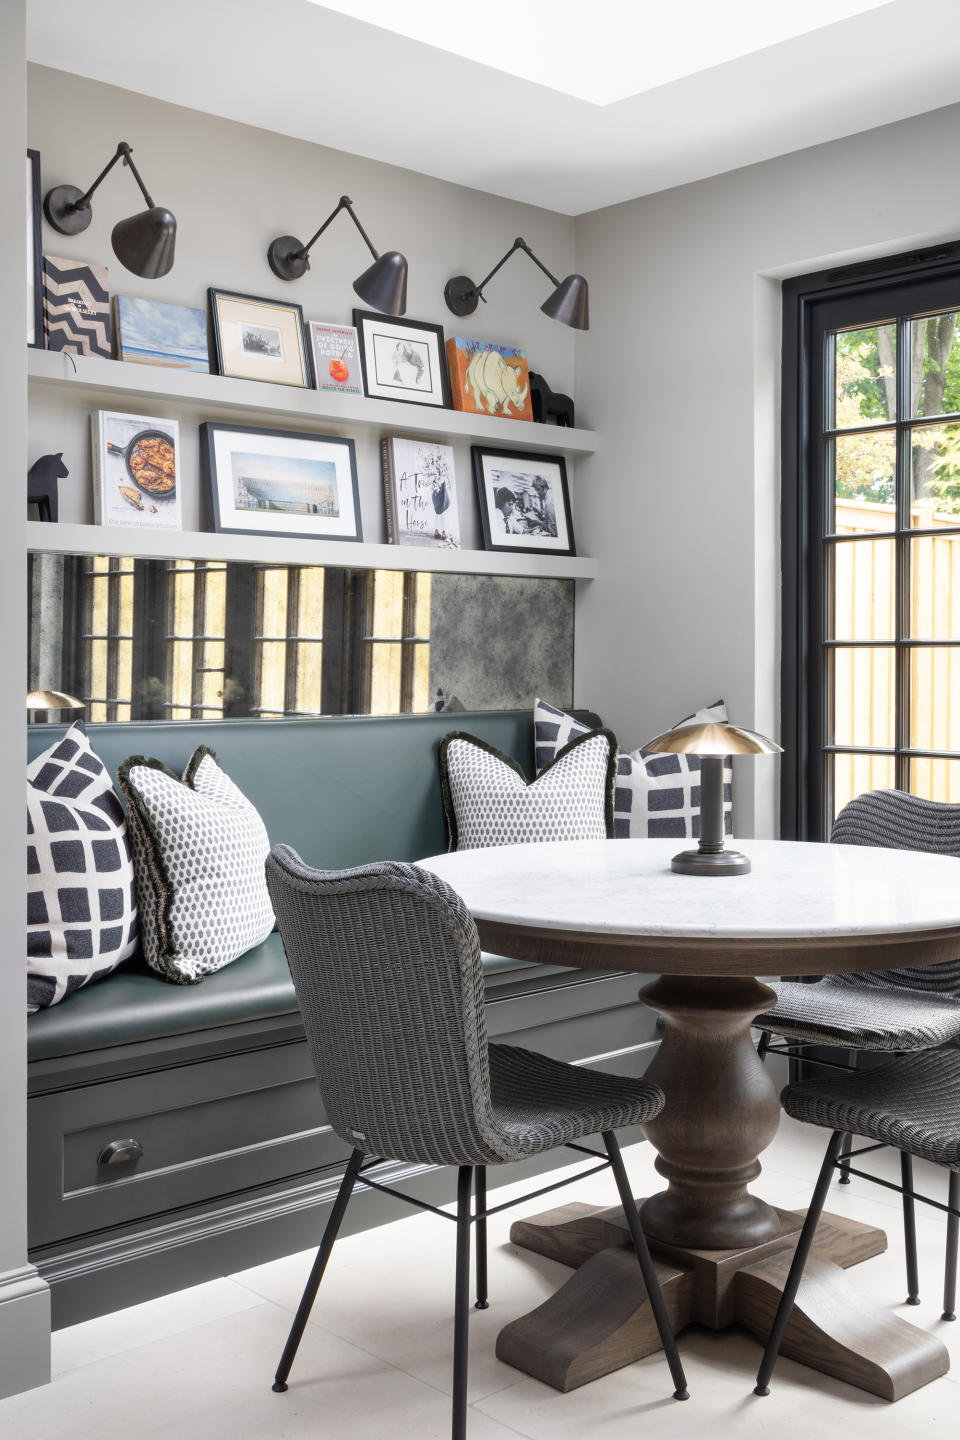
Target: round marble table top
[(625, 889)]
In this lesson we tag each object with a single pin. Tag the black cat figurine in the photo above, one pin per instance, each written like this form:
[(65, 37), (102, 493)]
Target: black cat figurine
[(547, 403), (42, 480)]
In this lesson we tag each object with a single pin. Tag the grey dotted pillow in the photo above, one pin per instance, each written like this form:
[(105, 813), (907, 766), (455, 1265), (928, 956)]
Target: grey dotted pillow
[(199, 849), (488, 800)]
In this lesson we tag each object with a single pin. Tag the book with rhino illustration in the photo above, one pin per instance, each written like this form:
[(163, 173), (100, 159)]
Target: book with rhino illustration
[(488, 379)]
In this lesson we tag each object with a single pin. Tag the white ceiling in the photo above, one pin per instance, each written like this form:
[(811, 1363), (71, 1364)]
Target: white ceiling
[(694, 107)]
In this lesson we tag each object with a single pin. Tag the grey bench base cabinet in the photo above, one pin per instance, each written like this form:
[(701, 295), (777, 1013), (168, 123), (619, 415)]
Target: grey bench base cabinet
[(214, 1082)]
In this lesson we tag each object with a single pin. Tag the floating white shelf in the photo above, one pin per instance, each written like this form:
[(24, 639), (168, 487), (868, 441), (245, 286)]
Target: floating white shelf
[(220, 397), (70, 539)]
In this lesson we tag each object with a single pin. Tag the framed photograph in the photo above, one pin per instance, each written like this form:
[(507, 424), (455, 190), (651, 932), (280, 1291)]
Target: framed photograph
[(258, 339), (136, 471), (335, 351), (152, 332), (524, 501), (420, 492), (402, 359), (280, 482), (34, 276), (489, 379)]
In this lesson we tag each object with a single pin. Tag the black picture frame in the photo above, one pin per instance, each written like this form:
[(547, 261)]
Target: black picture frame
[(218, 353), (34, 249), (524, 468), (375, 389), (218, 518)]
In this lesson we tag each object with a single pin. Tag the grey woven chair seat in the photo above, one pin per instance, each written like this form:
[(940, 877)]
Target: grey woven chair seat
[(542, 1103), (912, 1103), (862, 1016)]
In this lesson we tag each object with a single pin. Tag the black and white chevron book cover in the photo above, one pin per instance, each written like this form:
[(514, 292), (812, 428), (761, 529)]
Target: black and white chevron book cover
[(76, 307)]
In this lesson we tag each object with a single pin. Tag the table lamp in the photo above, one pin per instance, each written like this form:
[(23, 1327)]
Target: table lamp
[(51, 700), (712, 742)]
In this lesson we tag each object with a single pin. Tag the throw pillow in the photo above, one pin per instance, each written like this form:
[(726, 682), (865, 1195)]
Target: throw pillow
[(657, 796), (199, 849), (81, 904), (487, 799)]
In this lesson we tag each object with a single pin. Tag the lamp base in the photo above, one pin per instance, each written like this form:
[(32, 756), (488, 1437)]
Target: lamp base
[(460, 295), (705, 862), (61, 209), (286, 258)]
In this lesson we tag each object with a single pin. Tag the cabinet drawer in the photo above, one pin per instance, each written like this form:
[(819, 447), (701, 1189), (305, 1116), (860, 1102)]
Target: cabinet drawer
[(205, 1130)]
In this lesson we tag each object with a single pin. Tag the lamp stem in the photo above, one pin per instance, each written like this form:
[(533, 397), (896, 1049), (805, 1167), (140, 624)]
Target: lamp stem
[(128, 160), (711, 804), (344, 203), (518, 244), (122, 150)]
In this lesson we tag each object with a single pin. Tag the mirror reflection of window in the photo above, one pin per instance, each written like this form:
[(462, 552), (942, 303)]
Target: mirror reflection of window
[(210, 640)]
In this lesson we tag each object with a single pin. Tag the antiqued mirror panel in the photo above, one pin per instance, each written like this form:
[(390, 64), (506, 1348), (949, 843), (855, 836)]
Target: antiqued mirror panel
[(208, 640)]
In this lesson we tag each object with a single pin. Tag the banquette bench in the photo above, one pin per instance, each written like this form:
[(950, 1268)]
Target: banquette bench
[(175, 1133)]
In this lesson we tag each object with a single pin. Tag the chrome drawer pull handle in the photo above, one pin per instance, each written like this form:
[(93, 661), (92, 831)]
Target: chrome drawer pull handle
[(120, 1152)]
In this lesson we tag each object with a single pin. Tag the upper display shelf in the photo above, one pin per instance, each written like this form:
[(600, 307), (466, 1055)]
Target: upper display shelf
[(117, 381)]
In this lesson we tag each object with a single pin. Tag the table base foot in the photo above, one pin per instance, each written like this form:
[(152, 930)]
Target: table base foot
[(838, 1330), (600, 1319)]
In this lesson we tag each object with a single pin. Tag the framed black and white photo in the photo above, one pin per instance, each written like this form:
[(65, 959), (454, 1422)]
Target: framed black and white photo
[(256, 339), (279, 482), (34, 280), (524, 501), (402, 359)]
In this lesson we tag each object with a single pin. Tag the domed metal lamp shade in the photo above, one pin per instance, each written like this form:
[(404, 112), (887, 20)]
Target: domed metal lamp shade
[(383, 285), (712, 742), (568, 302), (145, 243)]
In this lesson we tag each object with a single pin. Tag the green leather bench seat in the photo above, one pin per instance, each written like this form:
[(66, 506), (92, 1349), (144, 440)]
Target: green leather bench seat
[(342, 790), (137, 1004)]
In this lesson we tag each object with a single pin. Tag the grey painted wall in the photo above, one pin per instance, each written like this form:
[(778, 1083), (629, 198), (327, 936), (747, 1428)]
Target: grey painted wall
[(680, 375), (24, 1299), (233, 189)]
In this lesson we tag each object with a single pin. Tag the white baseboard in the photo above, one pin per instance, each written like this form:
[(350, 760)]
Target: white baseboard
[(24, 1331)]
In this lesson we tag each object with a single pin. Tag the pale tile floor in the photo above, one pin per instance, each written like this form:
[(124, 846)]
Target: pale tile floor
[(375, 1362)]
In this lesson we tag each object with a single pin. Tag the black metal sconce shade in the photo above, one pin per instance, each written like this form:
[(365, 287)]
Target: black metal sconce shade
[(383, 285), (568, 302), (145, 243)]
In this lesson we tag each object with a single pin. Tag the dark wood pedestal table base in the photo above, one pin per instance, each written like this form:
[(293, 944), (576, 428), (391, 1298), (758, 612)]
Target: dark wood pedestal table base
[(722, 1252)]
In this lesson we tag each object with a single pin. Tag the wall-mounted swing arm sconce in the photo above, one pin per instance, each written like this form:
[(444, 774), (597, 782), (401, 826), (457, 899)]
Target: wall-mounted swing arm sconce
[(568, 302), (144, 243), (383, 285)]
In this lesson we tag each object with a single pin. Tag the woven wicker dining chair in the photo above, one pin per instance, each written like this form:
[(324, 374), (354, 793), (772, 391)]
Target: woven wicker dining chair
[(882, 1010), (385, 960), (911, 1103)]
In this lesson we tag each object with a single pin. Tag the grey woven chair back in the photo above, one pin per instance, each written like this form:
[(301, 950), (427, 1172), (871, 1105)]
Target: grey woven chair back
[(898, 821), (385, 960)]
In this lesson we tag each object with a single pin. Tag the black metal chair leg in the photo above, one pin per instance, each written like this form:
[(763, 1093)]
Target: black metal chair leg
[(316, 1274), (646, 1266), (480, 1240), (784, 1309), (910, 1229), (845, 1149), (764, 1045), (461, 1304), (953, 1235)]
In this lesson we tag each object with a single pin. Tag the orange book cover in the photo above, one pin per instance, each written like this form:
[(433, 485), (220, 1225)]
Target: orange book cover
[(489, 379)]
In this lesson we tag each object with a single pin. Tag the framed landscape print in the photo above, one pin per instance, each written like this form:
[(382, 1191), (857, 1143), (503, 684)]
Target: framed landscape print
[(524, 501), (280, 482), (335, 351), (402, 359), (34, 279), (153, 332), (258, 339)]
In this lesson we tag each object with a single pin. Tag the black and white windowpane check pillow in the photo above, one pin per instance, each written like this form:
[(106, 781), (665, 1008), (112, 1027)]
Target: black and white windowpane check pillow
[(199, 849), (657, 796), (81, 903), (488, 800)]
